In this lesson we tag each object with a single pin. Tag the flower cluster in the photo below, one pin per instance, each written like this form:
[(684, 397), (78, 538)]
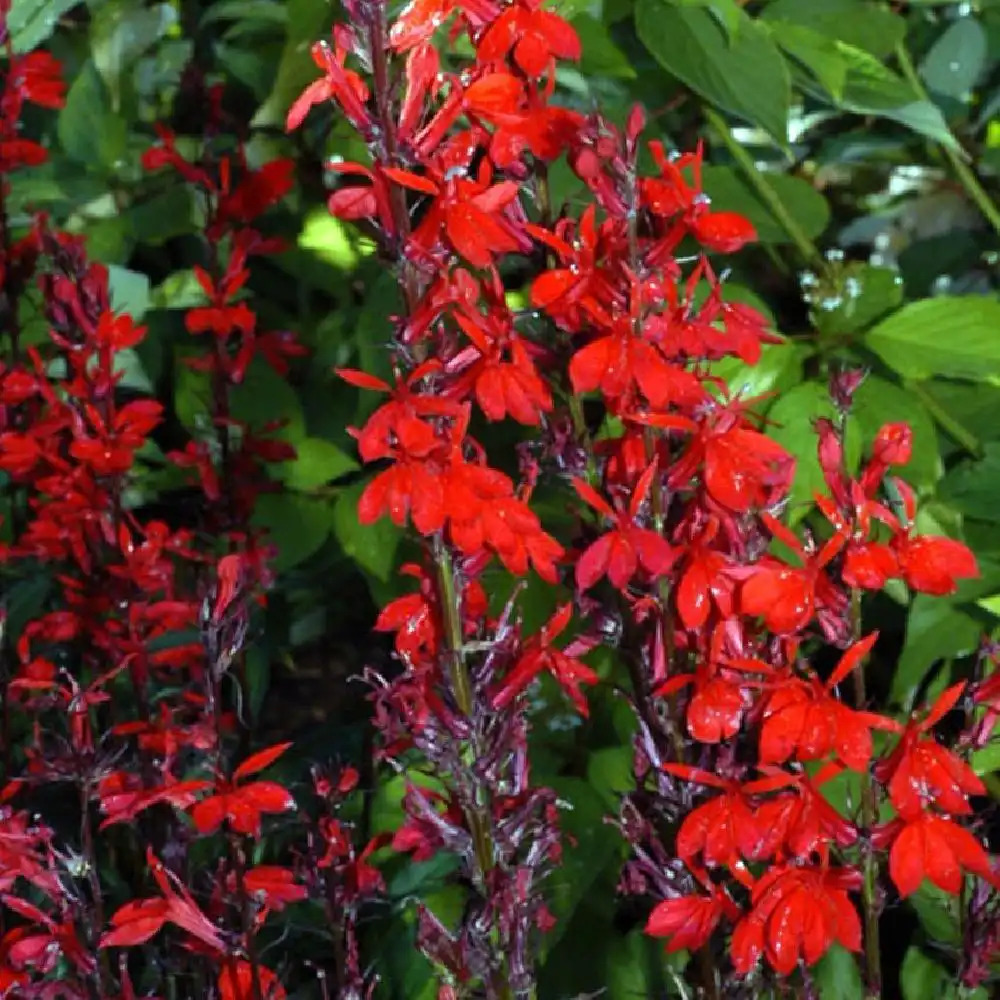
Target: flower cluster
[(118, 719), (679, 533)]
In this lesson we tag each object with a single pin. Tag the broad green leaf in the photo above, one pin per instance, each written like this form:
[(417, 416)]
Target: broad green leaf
[(956, 337), (872, 89), (89, 132), (937, 912), (609, 773), (134, 376), (921, 978), (371, 546), (317, 461), (866, 24), (726, 12), (296, 525), (729, 191), (264, 396), (296, 70), (815, 52), (956, 60), (163, 217), (852, 297), (129, 291), (179, 290), (590, 848), (31, 22), (600, 55), (973, 487), (779, 367), (838, 976), (120, 31), (745, 75), (935, 629)]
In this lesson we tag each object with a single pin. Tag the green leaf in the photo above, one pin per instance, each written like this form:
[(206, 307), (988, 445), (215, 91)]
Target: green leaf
[(609, 773), (973, 486), (779, 367), (601, 57), (816, 52), (947, 336), (317, 461), (263, 396), (730, 191), (296, 525), (956, 60), (163, 217), (296, 70), (129, 291), (89, 132), (852, 297), (866, 24), (180, 290), (921, 978), (134, 376), (371, 546), (935, 629), (726, 12), (938, 914), (745, 75), (31, 22), (120, 31), (837, 975), (871, 89), (591, 847)]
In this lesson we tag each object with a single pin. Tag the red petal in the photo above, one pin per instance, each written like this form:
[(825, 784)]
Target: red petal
[(260, 760)]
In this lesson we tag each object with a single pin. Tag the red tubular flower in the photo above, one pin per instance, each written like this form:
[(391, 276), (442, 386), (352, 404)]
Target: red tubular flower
[(622, 552), (539, 656), (934, 848), (797, 913), (243, 805)]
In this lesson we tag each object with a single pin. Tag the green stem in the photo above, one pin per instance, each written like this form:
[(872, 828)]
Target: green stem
[(947, 422), (767, 194), (476, 814), (963, 171), (869, 815)]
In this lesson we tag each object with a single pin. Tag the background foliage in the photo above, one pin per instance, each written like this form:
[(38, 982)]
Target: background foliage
[(861, 137)]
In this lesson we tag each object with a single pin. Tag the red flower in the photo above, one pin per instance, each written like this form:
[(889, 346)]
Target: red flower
[(236, 982), (688, 921), (934, 848), (921, 772), (539, 655), (621, 552), (797, 913), (536, 36), (139, 920), (243, 805), (804, 718), (784, 596)]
